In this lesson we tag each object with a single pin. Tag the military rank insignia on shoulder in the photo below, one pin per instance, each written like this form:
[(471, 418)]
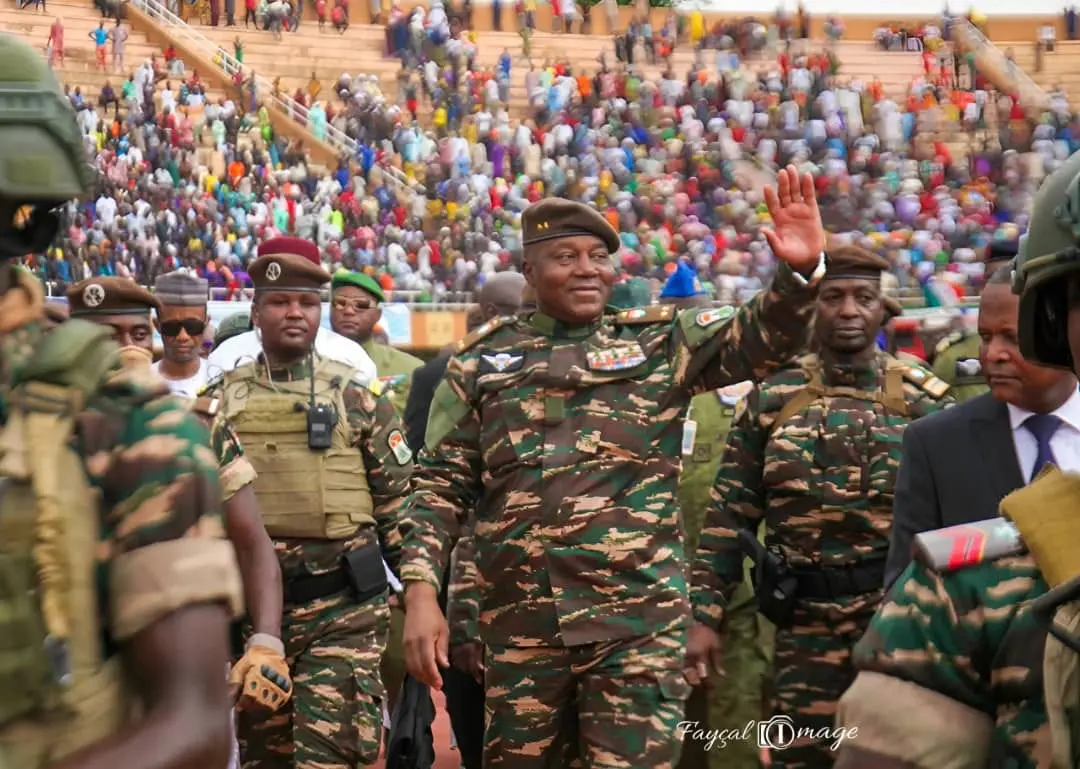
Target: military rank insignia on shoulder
[(654, 313), (926, 381), (955, 337), (481, 332), (970, 544)]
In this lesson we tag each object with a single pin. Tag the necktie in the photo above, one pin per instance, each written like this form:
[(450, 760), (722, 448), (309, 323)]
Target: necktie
[(1043, 427)]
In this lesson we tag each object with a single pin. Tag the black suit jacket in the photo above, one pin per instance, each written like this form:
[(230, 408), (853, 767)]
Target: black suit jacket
[(956, 466), (424, 381)]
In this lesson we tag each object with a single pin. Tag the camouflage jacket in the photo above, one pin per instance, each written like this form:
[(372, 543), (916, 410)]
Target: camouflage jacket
[(956, 361), (963, 648), (573, 434), (463, 597), (821, 476), (372, 421), (158, 481)]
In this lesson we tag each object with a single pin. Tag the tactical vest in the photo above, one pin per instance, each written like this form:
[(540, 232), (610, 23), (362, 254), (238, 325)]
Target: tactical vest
[(302, 493), (61, 690), (891, 397)]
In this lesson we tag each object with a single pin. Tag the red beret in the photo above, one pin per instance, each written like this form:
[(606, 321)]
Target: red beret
[(286, 245)]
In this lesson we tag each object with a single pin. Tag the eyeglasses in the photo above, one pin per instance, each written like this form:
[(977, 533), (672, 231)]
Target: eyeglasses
[(356, 305), (193, 326)]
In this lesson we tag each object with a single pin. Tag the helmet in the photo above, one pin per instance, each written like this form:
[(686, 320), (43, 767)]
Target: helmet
[(42, 160), (1049, 251)]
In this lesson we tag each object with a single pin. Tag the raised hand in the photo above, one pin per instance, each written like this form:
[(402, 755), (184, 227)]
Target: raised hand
[(797, 235)]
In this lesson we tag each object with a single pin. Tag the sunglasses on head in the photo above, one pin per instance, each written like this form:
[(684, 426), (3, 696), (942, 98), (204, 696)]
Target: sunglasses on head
[(193, 326)]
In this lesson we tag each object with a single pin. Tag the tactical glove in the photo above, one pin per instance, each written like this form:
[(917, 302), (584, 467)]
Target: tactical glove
[(262, 674)]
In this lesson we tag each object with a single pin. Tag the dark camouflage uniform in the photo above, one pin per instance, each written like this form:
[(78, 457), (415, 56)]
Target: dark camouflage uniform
[(958, 658), (151, 462), (823, 482), (573, 435), (333, 645), (730, 704)]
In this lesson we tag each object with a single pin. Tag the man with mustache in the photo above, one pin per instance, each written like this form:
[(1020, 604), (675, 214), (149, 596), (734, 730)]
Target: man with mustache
[(813, 452), (333, 473), (561, 430)]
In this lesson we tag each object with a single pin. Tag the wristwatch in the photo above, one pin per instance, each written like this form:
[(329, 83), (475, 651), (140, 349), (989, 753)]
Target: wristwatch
[(815, 276)]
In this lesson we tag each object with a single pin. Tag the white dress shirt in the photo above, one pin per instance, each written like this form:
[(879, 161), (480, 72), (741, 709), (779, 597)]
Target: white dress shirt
[(246, 347), (1065, 444)]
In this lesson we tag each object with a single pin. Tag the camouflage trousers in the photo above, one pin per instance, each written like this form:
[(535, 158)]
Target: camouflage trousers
[(334, 719), (813, 668), (600, 706), (737, 699), (392, 666)]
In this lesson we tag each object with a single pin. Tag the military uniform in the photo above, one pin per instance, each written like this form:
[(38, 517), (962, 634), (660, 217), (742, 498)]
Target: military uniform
[(814, 455), (960, 651), (330, 513), (747, 639), (130, 510), (956, 361), (572, 434)]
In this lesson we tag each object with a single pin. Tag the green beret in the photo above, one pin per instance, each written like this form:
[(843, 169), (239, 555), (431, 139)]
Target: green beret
[(234, 325), (367, 283), (553, 218), (630, 293)]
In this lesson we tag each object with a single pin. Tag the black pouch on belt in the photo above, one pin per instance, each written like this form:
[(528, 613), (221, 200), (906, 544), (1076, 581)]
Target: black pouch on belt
[(364, 568)]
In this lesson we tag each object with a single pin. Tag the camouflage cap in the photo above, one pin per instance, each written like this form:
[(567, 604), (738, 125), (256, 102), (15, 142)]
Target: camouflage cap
[(110, 296), (553, 218)]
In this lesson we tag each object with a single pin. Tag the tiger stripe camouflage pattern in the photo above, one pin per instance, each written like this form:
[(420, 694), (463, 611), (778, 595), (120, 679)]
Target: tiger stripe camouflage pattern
[(956, 661), (334, 646), (573, 436), (822, 482)]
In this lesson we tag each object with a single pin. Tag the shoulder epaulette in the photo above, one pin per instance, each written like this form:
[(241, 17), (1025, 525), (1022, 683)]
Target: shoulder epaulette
[(948, 341), (482, 332), (969, 544), (925, 381), (654, 313)]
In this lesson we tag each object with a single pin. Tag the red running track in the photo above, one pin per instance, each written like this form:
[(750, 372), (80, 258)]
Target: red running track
[(445, 756)]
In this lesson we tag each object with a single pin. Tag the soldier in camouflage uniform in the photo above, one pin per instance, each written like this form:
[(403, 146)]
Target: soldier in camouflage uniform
[(561, 428), (333, 471), (956, 357), (957, 669), (729, 706), (814, 454), (116, 583)]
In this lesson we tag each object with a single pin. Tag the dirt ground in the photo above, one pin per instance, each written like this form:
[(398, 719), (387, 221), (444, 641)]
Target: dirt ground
[(445, 756)]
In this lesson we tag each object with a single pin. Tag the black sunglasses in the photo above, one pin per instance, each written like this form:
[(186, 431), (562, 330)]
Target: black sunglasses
[(193, 326)]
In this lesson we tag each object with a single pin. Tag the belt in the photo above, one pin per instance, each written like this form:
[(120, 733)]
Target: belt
[(300, 590), (825, 582)]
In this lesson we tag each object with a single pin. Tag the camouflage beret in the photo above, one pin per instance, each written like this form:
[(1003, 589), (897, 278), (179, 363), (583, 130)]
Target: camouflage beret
[(110, 296), (553, 218), (854, 262)]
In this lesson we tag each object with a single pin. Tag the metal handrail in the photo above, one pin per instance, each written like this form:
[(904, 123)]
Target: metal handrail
[(971, 37), (342, 142)]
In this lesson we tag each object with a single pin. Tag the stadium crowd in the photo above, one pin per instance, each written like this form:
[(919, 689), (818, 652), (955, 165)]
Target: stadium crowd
[(672, 163)]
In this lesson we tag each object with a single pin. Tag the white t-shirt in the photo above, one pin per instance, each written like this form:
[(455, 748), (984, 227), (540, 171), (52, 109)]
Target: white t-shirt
[(246, 347), (187, 388)]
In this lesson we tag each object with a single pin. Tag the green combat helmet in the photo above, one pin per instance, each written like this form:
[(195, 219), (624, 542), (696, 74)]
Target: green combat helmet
[(42, 160), (234, 325), (1050, 252)]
